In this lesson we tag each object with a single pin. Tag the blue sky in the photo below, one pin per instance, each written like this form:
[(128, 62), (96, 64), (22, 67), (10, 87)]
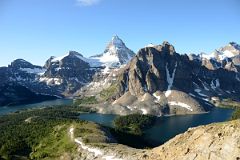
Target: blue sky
[(37, 29)]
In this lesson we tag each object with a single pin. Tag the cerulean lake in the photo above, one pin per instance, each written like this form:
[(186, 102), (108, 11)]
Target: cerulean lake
[(167, 127)]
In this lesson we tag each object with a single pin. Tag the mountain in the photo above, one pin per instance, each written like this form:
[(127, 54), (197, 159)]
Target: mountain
[(66, 75), (115, 57), (71, 72), (115, 54), (26, 74), (227, 57), (159, 81)]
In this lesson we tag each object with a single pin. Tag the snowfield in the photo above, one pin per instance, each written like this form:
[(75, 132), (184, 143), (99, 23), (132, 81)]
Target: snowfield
[(38, 71), (180, 104), (170, 79)]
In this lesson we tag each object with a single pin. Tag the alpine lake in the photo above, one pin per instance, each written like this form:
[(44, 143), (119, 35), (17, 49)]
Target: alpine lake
[(164, 128)]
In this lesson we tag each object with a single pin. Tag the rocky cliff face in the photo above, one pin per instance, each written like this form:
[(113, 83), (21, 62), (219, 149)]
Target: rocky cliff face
[(66, 75), (226, 57), (160, 81), (157, 80), (25, 74), (160, 68)]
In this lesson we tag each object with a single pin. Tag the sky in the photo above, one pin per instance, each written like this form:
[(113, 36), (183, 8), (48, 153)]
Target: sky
[(37, 29)]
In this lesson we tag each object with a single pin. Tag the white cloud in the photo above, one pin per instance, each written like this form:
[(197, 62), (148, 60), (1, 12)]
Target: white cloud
[(87, 2)]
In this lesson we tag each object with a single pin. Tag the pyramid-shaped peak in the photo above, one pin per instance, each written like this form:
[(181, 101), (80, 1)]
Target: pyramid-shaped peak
[(116, 41)]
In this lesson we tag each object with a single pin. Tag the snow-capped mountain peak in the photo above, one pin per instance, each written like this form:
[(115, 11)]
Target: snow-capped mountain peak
[(116, 41), (115, 54), (114, 45), (229, 51), (150, 45), (72, 54)]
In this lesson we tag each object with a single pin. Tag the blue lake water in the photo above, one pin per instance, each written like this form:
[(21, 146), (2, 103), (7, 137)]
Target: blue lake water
[(9, 109), (166, 128)]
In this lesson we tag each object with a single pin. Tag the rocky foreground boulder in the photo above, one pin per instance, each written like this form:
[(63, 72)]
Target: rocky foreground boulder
[(219, 141)]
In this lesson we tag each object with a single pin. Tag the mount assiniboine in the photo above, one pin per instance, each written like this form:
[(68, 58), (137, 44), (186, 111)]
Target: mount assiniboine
[(157, 80)]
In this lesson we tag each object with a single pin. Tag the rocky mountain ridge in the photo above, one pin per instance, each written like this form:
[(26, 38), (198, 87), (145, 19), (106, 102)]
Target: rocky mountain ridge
[(227, 57), (157, 80), (65, 75), (160, 81)]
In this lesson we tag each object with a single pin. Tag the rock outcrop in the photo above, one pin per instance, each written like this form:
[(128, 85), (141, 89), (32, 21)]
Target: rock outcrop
[(212, 142), (156, 70), (218, 141), (68, 74), (177, 84)]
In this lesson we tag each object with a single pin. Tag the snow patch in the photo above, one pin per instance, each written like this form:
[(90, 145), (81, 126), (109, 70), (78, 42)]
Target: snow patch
[(227, 54), (168, 93), (38, 71), (51, 81), (204, 85), (174, 103), (130, 108), (198, 91), (219, 54), (192, 95), (170, 78), (215, 85), (150, 45), (156, 96), (144, 111)]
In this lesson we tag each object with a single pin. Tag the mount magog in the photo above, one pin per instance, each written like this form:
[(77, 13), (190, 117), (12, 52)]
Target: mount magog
[(157, 80)]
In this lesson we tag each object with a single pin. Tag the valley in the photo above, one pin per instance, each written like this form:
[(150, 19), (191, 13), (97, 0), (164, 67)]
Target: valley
[(40, 131), (117, 104)]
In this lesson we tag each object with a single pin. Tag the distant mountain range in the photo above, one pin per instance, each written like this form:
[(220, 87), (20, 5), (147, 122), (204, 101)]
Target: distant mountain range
[(156, 80)]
